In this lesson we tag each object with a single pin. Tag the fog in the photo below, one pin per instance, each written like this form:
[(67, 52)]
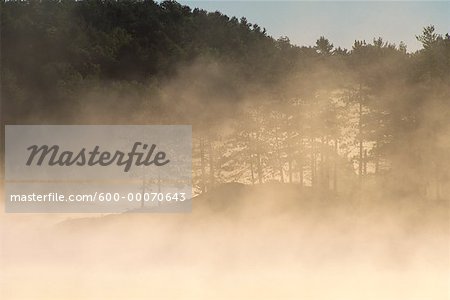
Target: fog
[(264, 240), (318, 173), (238, 242)]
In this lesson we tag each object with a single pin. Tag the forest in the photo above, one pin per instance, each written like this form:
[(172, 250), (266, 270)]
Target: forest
[(318, 172), (263, 110)]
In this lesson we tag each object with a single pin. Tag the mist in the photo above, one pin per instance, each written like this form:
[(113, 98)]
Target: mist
[(318, 172)]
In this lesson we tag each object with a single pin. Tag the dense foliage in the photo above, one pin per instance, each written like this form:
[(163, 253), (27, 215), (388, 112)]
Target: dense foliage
[(51, 44), (375, 104)]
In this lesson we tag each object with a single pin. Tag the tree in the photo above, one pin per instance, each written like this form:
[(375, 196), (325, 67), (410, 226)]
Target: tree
[(428, 37), (323, 46)]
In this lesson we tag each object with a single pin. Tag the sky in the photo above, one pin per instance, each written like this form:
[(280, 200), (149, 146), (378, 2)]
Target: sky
[(341, 22)]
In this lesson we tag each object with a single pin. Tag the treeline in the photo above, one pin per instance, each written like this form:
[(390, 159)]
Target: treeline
[(50, 48), (262, 108)]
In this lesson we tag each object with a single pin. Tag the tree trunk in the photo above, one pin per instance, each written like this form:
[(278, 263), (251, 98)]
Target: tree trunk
[(336, 157), (251, 169), (301, 173), (289, 157), (326, 171), (280, 162), (290, 170), (313, 164), (258, 162), (211, 165), (300, 163), (203, 167), (250, 148), (365, 163), (360, 137)]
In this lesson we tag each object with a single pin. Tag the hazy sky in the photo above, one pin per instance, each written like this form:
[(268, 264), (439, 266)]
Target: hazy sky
[(341, 22)]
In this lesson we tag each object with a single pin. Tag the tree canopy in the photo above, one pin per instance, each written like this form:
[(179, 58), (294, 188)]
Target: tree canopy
[(161, 62)]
